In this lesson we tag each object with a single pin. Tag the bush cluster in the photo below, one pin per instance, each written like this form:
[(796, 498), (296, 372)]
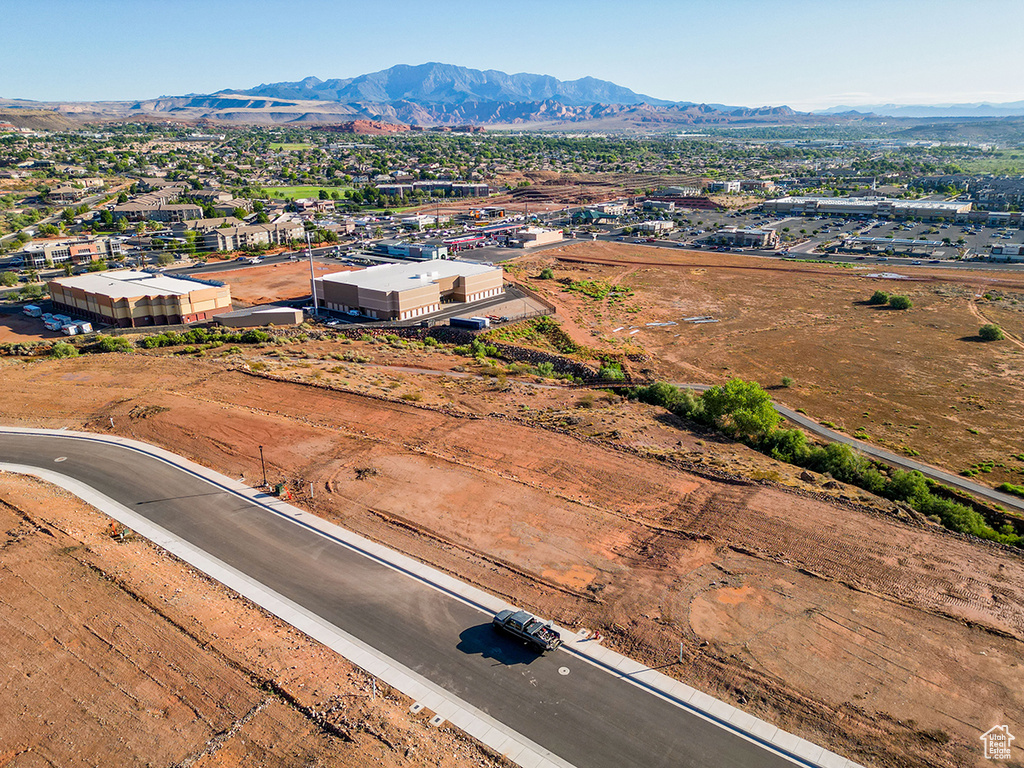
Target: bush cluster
[(477, 349), (204, 336), (743, 410)]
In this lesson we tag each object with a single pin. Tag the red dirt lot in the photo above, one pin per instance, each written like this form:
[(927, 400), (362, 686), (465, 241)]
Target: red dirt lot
[(917, 382), (17, 327), (886, 639), (263, 284)]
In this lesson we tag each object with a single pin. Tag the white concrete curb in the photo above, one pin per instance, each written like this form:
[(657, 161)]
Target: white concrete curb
[(476, 723)]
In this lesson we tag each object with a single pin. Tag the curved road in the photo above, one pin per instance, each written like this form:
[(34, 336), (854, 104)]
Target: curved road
[(888, 457), (587, 716)]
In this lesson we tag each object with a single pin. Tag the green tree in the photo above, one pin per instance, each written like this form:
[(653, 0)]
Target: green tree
[(879, 297), (8, 279), (900, 302), (97, 266), (988, 332), (164, 259), (378, 232), (741, 408), (190, 241)]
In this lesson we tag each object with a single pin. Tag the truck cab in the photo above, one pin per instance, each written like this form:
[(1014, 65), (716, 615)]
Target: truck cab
[(534, 632)]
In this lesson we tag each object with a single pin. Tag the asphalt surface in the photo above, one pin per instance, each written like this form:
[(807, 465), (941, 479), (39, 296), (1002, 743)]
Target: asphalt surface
[(588, 717)]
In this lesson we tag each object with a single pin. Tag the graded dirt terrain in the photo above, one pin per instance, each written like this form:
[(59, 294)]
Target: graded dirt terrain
[(117, 654), (918, 382), (263, 284), (888, 640)]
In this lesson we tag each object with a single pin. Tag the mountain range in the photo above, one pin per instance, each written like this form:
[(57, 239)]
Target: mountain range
[(436, 94), (436, 83)]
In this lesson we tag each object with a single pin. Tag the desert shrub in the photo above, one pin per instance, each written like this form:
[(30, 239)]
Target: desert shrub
[(547, 274), (430, 341), (789, 445), (879, 297), (991, 332), (62, 349), (900, 302), (911, 487), (838, 460), (546, 369), (113, 344), (611, 372), (254, 336), (1016, 490), (787, 382)]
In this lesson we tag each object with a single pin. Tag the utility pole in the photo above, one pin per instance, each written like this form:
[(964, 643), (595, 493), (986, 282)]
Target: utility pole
[(264, 465), (312, 284)]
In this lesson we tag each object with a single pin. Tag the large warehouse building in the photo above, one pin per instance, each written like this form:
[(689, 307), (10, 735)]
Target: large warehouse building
[(868, 206), (128, 299), (405, 291)]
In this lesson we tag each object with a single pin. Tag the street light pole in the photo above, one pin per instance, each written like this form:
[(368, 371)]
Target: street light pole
[(264, 465), (312, 277)]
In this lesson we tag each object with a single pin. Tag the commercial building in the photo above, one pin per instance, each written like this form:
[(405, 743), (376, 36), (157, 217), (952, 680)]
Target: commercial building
[(129, 299), (531, 237), (667, 206), (160, 211), (406, 291), (744, 238), (756, 185), (81, 250), (254, 317), (453, 188), (868, 206), (723, 186), (655, 227), (1008, 252), (421, 220), (414, 251), (395, 190)]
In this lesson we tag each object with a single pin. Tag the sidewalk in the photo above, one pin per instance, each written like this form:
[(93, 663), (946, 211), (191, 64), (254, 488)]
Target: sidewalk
[(424, 692)]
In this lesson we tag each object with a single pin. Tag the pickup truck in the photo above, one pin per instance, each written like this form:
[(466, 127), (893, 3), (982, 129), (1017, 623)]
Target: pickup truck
[(523, 626)]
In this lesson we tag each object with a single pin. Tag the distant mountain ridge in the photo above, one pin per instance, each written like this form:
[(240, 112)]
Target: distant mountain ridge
[(436, 83), (975, 109), (435, 94)]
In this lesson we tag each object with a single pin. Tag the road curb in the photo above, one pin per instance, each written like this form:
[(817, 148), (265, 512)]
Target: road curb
[(471, 720)]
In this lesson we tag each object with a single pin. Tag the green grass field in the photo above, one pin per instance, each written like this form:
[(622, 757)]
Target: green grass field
[(277, 147), (302, 191), (998, 162)]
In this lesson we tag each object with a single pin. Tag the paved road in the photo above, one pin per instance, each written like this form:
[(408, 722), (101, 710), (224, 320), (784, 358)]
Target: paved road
[(901, 461), (588, 717), (888, 457)]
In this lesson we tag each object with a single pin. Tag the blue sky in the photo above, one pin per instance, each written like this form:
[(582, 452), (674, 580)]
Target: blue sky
[(804, 53)]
